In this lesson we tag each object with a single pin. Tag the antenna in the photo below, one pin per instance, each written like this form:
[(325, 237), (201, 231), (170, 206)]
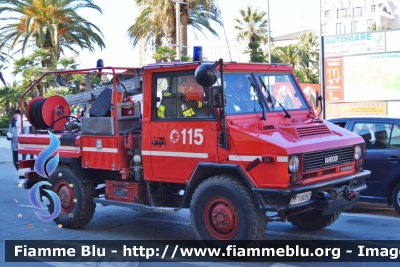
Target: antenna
[(223, 26)]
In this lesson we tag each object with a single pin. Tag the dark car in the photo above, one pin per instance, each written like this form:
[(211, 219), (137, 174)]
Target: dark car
[(382, 156)]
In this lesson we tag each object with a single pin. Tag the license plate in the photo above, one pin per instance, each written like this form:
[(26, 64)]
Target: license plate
[(120, 192), (346, 168), (300, 198)]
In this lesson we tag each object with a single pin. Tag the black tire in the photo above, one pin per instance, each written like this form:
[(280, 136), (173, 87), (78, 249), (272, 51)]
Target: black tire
[(77, 206), (396, 198), (313, 220), (223, 208)]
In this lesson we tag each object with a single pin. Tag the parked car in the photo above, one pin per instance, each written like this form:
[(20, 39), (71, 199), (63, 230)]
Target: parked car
[(382, 156)]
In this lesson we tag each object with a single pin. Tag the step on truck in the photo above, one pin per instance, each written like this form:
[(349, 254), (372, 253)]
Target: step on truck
[(236, 143)]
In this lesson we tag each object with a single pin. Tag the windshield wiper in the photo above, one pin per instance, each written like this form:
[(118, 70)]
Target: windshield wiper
[(259, 98), (271, 97)]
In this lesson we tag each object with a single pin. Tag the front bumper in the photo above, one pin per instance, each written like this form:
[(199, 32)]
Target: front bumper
[(329, 197)]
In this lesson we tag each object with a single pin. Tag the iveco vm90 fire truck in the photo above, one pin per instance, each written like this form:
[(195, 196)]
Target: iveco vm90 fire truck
[(229, 141)]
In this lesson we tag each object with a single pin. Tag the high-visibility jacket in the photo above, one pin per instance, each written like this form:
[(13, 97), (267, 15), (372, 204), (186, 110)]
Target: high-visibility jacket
[(176, 105)]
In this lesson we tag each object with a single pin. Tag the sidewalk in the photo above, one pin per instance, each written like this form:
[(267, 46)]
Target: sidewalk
[(5, 150)]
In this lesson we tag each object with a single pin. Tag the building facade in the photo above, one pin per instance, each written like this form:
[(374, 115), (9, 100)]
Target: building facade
[(340, 17), (291, 38), (234, 52)]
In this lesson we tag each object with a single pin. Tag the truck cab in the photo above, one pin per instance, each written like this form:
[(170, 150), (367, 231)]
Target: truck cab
[(230, 141)]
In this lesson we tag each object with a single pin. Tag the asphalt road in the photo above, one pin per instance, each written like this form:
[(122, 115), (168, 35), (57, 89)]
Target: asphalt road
[(19, 222)]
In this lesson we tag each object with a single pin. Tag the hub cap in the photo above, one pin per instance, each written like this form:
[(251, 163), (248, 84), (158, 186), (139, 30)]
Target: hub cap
[(66, 195), (398, 198), (221, 218)]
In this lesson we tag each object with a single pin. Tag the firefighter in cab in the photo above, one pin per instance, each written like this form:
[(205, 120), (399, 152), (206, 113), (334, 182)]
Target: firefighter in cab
[(175, 104), (238, 93)]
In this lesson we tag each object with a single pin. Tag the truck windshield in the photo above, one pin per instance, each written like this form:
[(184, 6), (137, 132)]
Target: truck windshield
[(242, 96), (284, 90)]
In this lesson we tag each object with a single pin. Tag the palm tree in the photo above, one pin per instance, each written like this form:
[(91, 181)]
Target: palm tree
[(308, 51), (60, 91), (51, 25), (9, 97), (31, 69), (149, 25), (274, 57), (376, 27), (164, 54), (252, 25), (1, 75), (256, 53), (308, 48), (33, 60), (3, 58), (288, 54), (307, 75), (157, 20), (198, 13)]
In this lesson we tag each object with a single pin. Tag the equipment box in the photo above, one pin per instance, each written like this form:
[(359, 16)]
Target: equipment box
[(125, 191)]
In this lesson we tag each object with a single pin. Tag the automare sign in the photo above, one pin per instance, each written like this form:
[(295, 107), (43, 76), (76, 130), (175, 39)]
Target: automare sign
[(362, 43)]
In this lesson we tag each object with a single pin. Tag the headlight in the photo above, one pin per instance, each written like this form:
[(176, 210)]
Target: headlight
[(293, 164), (357, 152)]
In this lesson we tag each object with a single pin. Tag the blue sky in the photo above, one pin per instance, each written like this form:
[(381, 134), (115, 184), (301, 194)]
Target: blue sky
[(286, 16)]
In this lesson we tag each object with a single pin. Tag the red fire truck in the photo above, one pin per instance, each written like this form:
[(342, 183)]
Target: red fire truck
[(230, 141)]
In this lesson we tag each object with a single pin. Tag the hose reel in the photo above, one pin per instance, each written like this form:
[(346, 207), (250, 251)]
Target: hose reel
[(44, 113)]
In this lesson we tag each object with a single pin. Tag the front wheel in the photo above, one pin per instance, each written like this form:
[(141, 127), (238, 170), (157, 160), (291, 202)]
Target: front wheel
[(313, 220), (223, 208), (76, 198), (396, 198)]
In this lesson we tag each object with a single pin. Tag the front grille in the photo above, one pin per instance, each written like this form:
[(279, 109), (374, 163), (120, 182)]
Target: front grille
[(327, 158)]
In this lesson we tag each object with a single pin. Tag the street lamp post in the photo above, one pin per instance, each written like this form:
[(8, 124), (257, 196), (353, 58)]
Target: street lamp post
[(321, 61), (269, 37), (178, 26)]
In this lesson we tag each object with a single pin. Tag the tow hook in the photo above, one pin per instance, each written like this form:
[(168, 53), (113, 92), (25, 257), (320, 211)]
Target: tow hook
[(350, 195)]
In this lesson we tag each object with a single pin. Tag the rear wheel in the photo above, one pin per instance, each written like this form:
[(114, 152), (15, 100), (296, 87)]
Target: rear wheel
[(76, 198), (313, 220), (223, 208), (396, 198)]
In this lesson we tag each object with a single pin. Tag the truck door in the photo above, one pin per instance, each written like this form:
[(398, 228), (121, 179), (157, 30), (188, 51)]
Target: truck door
[(183, 127)]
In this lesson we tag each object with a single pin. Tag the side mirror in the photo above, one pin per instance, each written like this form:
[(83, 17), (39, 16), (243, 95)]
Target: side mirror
[(318, 98), (216, 99), (206, 75)]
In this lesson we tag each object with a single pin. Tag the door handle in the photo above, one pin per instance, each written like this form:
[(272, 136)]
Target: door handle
[(158, 142), (393, 159)]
